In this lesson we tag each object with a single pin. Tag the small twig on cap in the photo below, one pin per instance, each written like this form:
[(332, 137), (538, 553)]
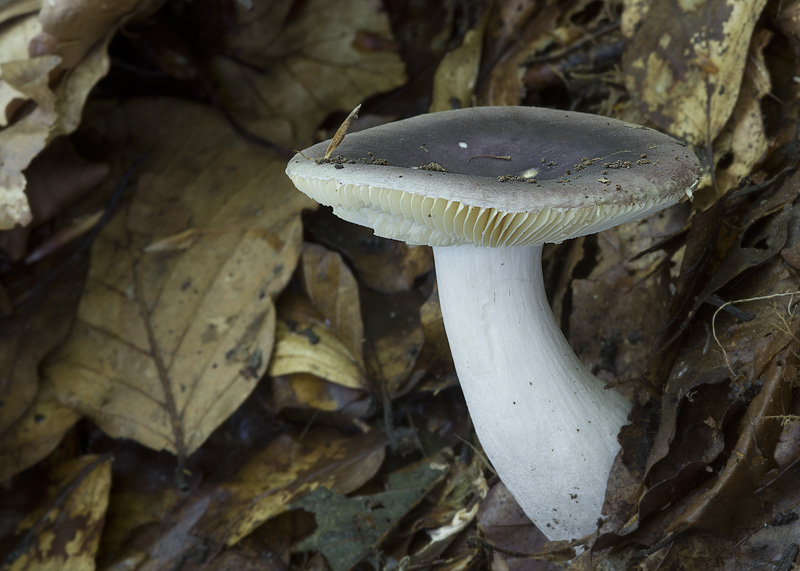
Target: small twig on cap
[(500, 157), (342, 131)]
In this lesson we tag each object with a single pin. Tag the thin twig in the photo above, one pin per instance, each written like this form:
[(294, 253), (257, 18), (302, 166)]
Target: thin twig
[(727, 303)]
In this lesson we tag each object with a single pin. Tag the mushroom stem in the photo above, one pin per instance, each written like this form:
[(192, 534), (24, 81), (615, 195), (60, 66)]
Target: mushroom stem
[(548, 425)]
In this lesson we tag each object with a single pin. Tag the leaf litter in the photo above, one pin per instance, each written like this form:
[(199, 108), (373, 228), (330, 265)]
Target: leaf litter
[(276, 389)]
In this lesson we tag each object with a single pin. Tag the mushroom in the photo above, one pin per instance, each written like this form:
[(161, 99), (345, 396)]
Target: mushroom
[(487, 187)]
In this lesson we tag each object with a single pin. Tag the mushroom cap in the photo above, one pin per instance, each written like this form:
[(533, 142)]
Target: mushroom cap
[(497, 176)]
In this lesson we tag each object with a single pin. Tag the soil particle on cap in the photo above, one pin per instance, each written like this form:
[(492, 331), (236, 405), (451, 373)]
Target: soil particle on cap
[(517, 178), (585, 162), (618, 165), (337, 160), (342, 160), (432, 167), (376, 161)]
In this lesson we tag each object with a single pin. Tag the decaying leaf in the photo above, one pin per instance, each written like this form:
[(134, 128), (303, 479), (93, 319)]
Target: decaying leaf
[(744, 140), (65, 531), (730, 382), (394, 341), (379, 264), (351, 529), (456, 507), (289, 468), (41, 321), (168, 344), (685, 60), (302, 63)]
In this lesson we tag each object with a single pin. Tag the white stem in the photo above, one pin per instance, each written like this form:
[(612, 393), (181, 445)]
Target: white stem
[(548, 426)]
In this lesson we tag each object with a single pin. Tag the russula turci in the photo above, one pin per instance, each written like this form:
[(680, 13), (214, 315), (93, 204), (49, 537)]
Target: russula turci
[(486, 187)]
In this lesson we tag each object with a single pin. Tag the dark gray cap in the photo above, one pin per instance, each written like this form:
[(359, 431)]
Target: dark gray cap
[(497, 176)]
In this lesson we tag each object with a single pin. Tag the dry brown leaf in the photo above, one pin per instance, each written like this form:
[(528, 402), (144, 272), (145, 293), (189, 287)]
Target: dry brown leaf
[(39, 323), (72, 28), (53, 60), (435, 359), (523, 30), (613, 341), (65, 532), (15, 8), (26, 138), (504, 524), (394, 340), (55, 178), (142, 496), (14, 40), (78, 32), (287, 469), (301, 64), (168, 344), (684, 62), (719, 370)]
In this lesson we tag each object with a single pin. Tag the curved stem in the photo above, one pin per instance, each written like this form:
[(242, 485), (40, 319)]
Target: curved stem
[(548, 426)]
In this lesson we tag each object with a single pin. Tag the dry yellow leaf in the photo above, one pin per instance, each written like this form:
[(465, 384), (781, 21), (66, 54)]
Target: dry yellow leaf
[(63, 535), (301, 64), (305, 343), (457, 74), (333, 291), (36, 434), (168, 344), (744, 136), (304, 392), (685, 60)]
